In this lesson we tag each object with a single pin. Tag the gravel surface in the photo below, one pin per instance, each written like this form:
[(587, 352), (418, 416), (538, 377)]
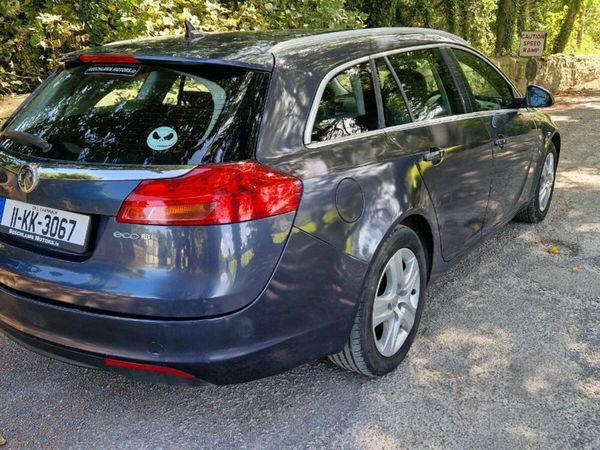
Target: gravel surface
[(508, 356)]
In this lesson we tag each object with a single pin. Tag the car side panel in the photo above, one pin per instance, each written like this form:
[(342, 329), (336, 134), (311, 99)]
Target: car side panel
[(356, 190), (512, 163), (322, 169), (459, 184), (380, 168)]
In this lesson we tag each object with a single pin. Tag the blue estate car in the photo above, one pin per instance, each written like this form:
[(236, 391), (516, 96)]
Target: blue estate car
[(217, 208)]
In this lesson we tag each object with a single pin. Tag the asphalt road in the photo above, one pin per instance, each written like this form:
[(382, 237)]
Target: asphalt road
[(508, 356)]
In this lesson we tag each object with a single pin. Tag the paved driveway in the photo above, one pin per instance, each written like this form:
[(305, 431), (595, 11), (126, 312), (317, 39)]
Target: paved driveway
[(508, 355)]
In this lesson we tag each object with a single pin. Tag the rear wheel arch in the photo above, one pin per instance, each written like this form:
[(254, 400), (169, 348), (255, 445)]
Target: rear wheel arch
[(421, 226)]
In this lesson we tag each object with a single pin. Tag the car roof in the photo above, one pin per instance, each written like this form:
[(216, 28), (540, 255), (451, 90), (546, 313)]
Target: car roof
[(260, 49)]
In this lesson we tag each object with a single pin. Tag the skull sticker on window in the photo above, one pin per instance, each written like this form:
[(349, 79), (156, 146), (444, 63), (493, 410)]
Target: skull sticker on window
[(162, 138)]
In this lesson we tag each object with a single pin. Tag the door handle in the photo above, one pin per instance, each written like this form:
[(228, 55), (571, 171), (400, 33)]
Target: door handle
[(434, 155), (500, 141)]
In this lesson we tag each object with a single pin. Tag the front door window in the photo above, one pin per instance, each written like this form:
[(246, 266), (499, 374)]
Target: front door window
[(489, 90)]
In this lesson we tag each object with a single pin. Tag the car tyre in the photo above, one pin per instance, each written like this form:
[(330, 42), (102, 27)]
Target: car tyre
[(537, 208), (372, 348)]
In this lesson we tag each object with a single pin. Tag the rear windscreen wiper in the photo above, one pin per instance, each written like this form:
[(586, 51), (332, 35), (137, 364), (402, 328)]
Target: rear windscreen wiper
[(25, 138)]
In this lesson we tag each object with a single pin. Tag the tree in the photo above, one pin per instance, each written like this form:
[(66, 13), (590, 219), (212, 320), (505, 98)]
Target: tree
[(465, 19), (524, 17), (560, 44), (505, 26), (450, 10), (581, 31)]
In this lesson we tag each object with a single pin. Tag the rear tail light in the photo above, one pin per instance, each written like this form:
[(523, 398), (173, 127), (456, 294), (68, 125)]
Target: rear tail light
[(213, 194), (108, 59)]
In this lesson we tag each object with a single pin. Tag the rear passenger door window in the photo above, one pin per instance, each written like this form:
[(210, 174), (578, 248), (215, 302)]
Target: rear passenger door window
[(394, 107), (489, 90), (347, 106), (428, 84)]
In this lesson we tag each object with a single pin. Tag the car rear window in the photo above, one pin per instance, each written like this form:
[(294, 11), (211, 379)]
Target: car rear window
[(143, 114), (347, 106)]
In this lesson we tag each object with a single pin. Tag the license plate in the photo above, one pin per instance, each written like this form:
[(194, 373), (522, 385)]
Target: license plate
[(52, 227)]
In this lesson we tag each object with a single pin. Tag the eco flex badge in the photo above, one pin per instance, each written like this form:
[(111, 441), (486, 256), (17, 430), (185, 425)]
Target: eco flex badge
[(162, 138)]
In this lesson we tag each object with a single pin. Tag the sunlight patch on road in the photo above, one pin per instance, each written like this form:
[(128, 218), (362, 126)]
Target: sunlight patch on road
[(590, 389), (588, 179), (484, 351), (373, 437), (536, 384), (532, 436), (589, 228)]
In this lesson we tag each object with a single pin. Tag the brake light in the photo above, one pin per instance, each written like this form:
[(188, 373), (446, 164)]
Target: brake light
[(110, 59), (213, 194)]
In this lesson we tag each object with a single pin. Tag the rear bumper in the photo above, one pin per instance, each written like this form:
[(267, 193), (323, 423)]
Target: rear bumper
[(305, 312)]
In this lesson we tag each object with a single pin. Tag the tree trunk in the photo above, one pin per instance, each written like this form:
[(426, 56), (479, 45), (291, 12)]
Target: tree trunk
[(465, 28), (450, 12), (524, 18), (505, 26), (560, 44), (581, 31)]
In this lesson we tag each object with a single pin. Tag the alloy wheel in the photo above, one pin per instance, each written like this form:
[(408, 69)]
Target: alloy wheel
[(396, 302), (546, 182)]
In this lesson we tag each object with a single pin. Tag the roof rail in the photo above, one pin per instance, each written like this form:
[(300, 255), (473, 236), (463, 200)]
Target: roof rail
[(366, 32)]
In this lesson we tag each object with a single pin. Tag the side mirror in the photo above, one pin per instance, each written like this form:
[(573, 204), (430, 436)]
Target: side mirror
[(538, 97)]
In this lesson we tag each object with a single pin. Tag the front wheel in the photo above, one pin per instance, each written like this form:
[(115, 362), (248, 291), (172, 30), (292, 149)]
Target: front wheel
[(390, 307), (538, 206)]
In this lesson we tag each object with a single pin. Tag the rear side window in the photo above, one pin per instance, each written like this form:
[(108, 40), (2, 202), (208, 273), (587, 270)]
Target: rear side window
[(489, 89), (144, 114), (394, 106), (427, 83), (347, 105)]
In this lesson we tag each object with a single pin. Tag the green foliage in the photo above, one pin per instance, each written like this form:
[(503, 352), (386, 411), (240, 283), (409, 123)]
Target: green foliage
[(586, 30), (493, 26), (562, 39), (35, 33)]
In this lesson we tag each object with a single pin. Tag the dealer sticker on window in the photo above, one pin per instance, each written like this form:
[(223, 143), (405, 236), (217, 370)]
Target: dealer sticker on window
[(126, 71)]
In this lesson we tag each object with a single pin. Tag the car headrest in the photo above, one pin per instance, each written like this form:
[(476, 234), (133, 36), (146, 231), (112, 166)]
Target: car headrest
[(414, 83)]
